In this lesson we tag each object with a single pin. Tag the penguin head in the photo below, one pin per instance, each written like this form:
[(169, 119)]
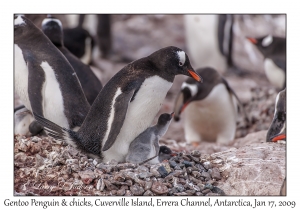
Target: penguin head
[(52, 28), (174, 61), (165, 153), (264, 44), (165, 118), (21, 27), (192, 91), (277, 130)]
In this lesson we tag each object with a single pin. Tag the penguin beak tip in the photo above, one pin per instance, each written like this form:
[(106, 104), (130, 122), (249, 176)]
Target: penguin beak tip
[(252, 40), (196, 76), (278, 138)]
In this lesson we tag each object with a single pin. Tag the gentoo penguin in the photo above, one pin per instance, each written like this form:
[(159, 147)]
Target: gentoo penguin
[(79, 41), (146, 145), (283, 188), (165, 153), (25, 124), (277, 130), (209, 40), (274, 51), (210, 108), (23, 118), (44, 79), (126, 105), (91, 85), (104, 39)]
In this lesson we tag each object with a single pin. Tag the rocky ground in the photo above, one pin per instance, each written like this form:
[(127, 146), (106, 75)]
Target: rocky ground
[(46, 167)]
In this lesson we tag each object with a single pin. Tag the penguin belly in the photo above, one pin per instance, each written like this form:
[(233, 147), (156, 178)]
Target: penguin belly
[(202, 42), (140, 114), (275, 75), (53, 104), (211, 119), (21, 77)]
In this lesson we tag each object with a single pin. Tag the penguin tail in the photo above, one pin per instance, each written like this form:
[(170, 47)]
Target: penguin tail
[(55, 131)]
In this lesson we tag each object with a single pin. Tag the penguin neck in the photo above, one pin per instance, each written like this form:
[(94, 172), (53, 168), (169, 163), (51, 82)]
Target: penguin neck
[(147, 64), (162, 129)]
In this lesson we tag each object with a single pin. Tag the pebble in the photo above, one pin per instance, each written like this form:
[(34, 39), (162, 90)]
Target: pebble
[(159, 188), (184, 174), (163, 172)]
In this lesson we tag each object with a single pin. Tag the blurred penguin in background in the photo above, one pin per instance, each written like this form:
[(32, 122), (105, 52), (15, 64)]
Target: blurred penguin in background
[(79, 41), (210, 108), (209, 40), (277, 130), (274, 51)]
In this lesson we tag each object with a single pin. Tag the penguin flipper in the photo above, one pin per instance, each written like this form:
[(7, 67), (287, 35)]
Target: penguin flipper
[(36, 79), (240, 105), (280, 63), (120, 107)]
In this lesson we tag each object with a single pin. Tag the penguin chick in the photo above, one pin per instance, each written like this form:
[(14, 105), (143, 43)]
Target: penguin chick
[(210, 108), (25, 124), (277, 130), (91, 85), (126, 105), (165, 153), (146, 145), (274, 51), (23, 118)]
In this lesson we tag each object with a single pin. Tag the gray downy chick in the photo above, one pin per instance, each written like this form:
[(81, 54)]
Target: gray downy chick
[(145, 145)]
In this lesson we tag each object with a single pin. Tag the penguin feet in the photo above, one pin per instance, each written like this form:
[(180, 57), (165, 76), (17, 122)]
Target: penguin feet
[(195, 144)]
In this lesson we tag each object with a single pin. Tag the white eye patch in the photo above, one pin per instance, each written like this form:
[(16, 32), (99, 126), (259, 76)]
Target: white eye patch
[(19, 20), (267, 41), (181, 56), (192, 87), (46, 20)]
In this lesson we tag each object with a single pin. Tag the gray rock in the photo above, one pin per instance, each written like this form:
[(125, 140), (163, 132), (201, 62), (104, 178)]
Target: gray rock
[(215, 174), (148, 193), (137, 190), (87, 176), (159, 188), (205, 175)]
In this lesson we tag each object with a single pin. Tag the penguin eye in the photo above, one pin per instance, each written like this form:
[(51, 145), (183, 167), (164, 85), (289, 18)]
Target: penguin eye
[(180, 63)]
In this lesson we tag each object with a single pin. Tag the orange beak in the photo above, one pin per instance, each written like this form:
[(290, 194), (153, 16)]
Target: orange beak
[(195, 76), (172, 114), (279, 137), (252, 40)]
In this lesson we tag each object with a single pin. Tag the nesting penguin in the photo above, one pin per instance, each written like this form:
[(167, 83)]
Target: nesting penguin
[(209, 40), (79, 41), (277, 130), (165, 153), (274, 51), (44, 79), (126, 105), (146, 145), (91, 85), (210, 108)]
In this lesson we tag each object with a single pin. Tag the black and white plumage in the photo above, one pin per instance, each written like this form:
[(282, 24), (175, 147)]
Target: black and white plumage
[(79, 41), (44, 80), (274, 51), (165, 153), (209, 40), (210, 108), (91, 85), (277, 130), (146, 145), (127, 104)]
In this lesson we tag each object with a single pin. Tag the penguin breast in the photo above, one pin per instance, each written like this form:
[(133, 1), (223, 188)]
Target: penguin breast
[(140, 114)]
